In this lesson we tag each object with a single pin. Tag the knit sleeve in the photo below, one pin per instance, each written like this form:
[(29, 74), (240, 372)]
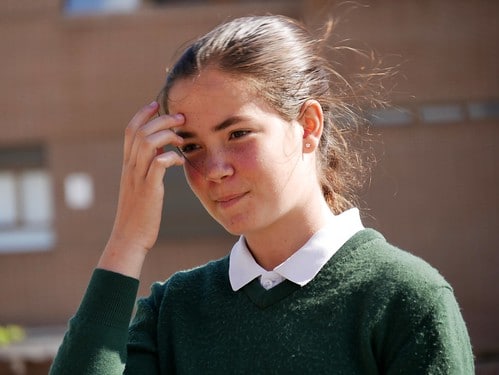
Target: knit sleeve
[(142, 344), (428, 337), (96, 340)]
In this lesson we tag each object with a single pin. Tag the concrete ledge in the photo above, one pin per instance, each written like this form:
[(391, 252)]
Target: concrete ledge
[(39, 347)]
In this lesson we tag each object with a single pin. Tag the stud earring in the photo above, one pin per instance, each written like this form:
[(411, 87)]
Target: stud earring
[(307, 145)]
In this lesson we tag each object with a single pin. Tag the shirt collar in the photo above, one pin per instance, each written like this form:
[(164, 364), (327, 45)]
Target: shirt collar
[(304, 264)]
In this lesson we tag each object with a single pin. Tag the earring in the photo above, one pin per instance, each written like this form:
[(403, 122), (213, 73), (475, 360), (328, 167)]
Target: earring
[(307, 145)]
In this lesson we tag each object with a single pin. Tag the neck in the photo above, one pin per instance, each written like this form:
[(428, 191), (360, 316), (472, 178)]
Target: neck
[(274, 244)]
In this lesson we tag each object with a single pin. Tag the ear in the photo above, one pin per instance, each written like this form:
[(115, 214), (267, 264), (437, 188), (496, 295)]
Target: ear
[(311, 119)]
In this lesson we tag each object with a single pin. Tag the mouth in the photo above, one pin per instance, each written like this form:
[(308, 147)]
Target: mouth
[(227, 201)]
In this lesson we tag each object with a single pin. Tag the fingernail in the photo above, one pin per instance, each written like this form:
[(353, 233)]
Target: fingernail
[(179, 117), (153, 104)]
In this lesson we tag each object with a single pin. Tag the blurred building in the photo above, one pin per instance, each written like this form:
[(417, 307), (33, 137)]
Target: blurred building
[(73, 73)]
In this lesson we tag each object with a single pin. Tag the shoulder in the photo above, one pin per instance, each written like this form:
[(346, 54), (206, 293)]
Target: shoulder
[(382, 262), (409, 307), (370, 269)]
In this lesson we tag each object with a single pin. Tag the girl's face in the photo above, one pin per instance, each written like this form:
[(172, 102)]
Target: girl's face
[(243, 161)]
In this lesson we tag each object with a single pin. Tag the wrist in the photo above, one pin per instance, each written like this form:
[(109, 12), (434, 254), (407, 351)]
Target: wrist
[(123, 258)]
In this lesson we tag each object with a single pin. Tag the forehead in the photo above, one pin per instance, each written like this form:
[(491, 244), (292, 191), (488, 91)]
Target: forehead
[(211, 88)]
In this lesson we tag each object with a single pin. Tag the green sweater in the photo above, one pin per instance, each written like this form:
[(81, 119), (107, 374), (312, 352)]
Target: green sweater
[(372, 309)]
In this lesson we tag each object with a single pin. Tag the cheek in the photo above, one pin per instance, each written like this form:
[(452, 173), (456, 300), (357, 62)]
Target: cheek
[(246, 157), (195, 180)]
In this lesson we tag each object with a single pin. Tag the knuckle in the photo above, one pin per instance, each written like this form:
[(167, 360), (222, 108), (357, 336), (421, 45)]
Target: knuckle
[(141, 133), (129, 130)]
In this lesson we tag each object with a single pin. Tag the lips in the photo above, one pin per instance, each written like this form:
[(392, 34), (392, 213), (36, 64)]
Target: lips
[(229, 200)]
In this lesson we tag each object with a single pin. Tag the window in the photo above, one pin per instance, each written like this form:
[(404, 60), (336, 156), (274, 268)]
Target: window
[(75, 7), (26, 201), (442, 113), (484, 110), (390, 117), (435, 113)]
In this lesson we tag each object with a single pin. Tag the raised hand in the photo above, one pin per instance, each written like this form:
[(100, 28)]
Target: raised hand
[(141, 195)]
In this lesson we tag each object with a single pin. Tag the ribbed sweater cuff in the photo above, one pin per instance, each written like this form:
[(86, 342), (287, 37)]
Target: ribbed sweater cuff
[(109, 299)]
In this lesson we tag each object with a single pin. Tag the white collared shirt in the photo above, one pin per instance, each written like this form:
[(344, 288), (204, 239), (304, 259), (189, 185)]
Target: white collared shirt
[(304, 264)]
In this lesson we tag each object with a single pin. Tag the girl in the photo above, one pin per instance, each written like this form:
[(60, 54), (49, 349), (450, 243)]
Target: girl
[(258, 117)]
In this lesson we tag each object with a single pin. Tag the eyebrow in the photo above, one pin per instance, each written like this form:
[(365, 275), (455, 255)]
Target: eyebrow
[(223, 125)]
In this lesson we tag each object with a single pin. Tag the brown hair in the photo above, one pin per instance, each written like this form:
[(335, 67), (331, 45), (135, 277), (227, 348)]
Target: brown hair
[(285, 63)]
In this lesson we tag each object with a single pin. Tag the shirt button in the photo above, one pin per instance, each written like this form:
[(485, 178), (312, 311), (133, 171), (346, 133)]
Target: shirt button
[(267, 284)]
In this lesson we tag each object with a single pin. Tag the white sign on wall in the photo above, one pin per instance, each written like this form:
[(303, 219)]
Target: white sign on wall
[(79, 191)]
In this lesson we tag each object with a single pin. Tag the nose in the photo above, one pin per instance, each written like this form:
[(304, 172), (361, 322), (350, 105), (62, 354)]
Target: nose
[(216, 166)]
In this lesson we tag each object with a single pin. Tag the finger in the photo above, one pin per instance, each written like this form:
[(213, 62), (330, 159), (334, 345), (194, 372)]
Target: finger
[(141, 117), (145, 137), (160, 123), (160, 164), (147, 150)]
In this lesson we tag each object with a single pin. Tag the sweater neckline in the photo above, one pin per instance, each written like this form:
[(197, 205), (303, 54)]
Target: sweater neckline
[(264, 298)]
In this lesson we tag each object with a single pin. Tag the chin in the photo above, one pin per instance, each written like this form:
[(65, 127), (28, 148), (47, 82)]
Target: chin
[(237, 221), (233, 229), (235, 226)]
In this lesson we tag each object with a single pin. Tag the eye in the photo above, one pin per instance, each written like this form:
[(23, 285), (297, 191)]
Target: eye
[(239, 134), (189, 148)]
